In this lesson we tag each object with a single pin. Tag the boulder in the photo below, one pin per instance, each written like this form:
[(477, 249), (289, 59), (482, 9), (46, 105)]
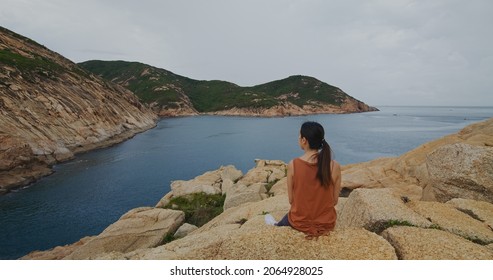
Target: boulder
[(265, 171), (187, 247), (276, 175), (57, 253), (461, 170), (230, 172), (184, 230), (412, 243), (227, 186), (143, 227), (374, 209), (280, 187), (165, 200), (480, 210), (240, 194), (277, 206), (454, 221), (183, 188), (285, 243)]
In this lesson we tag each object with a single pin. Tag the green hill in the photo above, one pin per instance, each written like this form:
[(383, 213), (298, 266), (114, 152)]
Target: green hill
[(167, 90)]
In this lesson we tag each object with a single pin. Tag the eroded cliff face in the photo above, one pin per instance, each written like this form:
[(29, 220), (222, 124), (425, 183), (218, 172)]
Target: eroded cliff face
[(50, 109)]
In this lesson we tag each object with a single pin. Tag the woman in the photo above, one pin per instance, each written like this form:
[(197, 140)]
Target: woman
[(314, 183)]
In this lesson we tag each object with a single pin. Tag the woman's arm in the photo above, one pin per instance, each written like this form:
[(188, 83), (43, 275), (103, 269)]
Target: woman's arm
[(336, 178), (290, 181)]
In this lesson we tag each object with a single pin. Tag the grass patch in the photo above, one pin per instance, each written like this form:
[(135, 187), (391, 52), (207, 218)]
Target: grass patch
[(168, 238), (199, 208), (37, 64), (269, 186)]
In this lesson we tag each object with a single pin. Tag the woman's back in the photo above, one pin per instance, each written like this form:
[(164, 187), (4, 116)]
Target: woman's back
[(313, 206)]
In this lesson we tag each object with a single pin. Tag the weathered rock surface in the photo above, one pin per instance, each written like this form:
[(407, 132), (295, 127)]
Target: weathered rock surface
[(184, 230), (461, 170), (456, 166), (52, 109), (267, 243), (373, 209), (58, 252), (139, 228), (450, 219), (480, 210), (413, 243)]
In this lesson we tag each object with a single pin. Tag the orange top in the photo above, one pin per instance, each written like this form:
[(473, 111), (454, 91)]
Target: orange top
[(312, 209)]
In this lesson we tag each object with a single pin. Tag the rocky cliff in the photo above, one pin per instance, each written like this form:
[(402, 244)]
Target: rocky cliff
[(431, 203), (170, 94), (52, 109)]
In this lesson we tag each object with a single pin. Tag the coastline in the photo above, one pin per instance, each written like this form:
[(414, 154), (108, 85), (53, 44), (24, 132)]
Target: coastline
[(24, 177), (35, 170), (406, 207)]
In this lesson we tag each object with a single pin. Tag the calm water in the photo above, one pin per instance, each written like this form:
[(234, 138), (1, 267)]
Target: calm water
[(87, 194)]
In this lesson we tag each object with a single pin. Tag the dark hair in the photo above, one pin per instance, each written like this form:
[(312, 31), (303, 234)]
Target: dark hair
[(314, 133)]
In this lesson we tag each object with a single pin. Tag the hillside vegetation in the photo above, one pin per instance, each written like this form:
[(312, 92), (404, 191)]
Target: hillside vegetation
[(167, 90)]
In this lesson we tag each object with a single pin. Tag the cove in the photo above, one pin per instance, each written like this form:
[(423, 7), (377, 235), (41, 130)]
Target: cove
[(87, 194)]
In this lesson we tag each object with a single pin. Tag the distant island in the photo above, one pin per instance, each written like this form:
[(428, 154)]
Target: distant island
[(169, 94)]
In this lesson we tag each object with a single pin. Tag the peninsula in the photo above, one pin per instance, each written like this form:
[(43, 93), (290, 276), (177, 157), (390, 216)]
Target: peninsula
[(169, 94)]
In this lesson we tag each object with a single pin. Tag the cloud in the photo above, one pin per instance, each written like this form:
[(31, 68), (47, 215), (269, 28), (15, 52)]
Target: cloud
[(384, 52)]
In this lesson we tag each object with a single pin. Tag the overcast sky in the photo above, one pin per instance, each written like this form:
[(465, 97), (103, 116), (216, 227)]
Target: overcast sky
[(383, 52)]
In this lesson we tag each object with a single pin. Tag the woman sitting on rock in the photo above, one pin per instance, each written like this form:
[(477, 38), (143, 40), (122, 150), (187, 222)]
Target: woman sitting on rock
[(314, 183)]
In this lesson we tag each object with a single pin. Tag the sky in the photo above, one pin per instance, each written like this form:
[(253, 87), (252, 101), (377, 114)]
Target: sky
[(382, 52)]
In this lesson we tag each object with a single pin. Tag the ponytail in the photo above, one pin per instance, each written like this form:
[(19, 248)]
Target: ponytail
[(324, 169), (314, 133)]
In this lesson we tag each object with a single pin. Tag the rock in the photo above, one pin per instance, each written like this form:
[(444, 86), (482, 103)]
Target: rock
[(462, 170), (480, 210), (58, 252), (276, 175), (280, 187), (256, 175), (182, 188), (373, 209), (227, 186), (489, 247), (240, 194), (277, 206), (54, 110), (265, 171), (209, 183), (184, 230), (413, 243), (268, 242), (187, 247), (434, 167), (165, 200), (139, 228), (454, 221), (230, 173)]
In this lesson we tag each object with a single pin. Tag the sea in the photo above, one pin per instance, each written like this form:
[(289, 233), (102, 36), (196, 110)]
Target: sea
[(90, 192)]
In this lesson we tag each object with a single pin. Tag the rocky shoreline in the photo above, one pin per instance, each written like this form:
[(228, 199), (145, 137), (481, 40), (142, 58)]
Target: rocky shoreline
[(434, 202), (283, 110)]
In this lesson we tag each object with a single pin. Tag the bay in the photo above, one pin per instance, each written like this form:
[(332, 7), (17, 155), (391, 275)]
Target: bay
[(87, 194)]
